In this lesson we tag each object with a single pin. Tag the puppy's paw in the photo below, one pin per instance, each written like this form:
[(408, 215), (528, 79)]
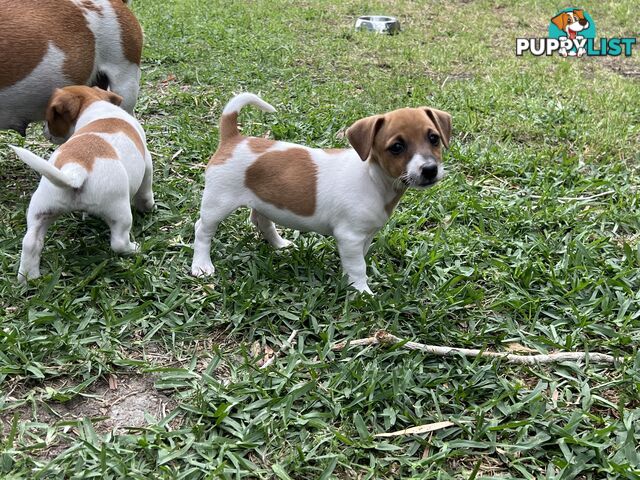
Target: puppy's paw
[(24, 277), (145, 205), (363, 288), (282, 244), (202, 270)]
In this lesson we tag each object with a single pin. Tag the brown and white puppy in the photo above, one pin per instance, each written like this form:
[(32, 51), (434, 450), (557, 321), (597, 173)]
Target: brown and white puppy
[(346, 193), (102, 167), (571, 23), (48, 44)]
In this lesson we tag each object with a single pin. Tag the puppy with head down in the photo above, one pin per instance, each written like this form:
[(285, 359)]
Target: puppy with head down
[(102, 166)]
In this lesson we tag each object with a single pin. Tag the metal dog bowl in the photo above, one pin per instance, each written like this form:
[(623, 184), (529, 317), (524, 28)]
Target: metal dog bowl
[(378, 24)]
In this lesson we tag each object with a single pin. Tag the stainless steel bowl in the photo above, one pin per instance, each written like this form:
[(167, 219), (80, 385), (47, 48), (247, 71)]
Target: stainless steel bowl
[(378, 24)]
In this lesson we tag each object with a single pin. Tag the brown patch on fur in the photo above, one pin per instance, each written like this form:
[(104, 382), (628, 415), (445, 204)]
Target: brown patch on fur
[(225, 151), (130, 32), (84, 150), (389, 207), (260, 145), (66, 104), (228, 126), (27, 28), (92, 7), (286, 179), (114, 125)]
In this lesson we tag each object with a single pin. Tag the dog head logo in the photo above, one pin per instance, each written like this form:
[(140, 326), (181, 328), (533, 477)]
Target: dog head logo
[(572, 33), (572, 26)]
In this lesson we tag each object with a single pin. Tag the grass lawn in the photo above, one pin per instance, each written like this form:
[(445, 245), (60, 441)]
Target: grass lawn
[(115, 367)]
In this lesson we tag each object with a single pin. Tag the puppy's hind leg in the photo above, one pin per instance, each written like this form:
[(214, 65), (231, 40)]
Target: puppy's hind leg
[(268, 230), (119, 219), (205, 229), (37, 224), (143, 199), (125, 81)]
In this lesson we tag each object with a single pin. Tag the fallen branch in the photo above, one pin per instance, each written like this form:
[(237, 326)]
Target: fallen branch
[(385, 338)]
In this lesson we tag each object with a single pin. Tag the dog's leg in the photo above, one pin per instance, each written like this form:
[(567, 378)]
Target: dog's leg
[(37, 224), (351, 248), (125, 81), (119, 220), (367, 244), (268, 230), (143, 199), (205, 229)]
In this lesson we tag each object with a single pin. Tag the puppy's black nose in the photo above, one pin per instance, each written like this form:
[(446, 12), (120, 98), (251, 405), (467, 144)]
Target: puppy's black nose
[(429, 171), (583, 22)]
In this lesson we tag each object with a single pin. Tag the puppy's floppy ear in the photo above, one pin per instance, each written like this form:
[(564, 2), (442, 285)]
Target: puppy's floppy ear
[(114, 98), (62, 111), (109, 96), (442, 121), (560, 20), (362, 134), (579, 13)]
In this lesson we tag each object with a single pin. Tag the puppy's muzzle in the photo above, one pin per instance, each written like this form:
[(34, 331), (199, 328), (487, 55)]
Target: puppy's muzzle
[(428, 172)]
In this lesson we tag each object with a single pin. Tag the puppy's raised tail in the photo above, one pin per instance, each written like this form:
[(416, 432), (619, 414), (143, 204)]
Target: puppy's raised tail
[(229, 118), (74, 179)]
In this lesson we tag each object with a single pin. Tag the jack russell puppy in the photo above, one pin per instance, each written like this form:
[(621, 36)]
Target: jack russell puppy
[(102, 167), (48, 44), (346, 193)]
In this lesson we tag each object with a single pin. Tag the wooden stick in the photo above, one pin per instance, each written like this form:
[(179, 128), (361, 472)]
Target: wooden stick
[(385, 338), (289, 344)]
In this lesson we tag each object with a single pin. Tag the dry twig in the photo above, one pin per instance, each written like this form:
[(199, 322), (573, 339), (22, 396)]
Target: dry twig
[(385, 338), (290, 343)]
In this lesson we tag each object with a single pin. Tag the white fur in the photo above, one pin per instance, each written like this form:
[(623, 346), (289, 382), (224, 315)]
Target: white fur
[(106, 191), (25, 101), (244, 99), (351, 197)]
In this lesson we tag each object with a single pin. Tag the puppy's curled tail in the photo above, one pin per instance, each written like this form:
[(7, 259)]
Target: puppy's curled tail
[(55, 175), (229, 118)]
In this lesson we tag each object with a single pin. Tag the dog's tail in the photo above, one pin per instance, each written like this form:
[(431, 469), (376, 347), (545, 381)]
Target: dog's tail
[(59, 178), (229, 118)]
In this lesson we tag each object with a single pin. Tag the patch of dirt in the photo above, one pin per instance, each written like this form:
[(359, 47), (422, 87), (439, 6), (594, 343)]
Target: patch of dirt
[(114, 405)]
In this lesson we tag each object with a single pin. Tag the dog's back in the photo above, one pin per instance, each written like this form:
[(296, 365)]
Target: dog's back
[(46, 44)]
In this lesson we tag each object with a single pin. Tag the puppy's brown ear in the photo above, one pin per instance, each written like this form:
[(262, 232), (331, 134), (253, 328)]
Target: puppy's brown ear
[(362, 134), (442, 121), (579, 14), (62, 112), (560, 20), (109, 96), (115, 98)]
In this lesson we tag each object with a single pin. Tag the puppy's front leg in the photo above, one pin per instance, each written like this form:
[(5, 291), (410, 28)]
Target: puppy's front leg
[(351, 247), (268, 230)]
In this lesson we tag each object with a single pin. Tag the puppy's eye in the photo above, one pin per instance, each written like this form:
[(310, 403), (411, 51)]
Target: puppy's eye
[(434, 139), (397, 148)]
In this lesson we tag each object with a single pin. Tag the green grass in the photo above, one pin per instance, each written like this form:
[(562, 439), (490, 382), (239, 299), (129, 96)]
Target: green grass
[(508, 249)]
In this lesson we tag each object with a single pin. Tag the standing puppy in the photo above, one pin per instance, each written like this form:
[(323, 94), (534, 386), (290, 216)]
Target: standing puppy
[(347, 193), (47, 44), (102, 167)]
